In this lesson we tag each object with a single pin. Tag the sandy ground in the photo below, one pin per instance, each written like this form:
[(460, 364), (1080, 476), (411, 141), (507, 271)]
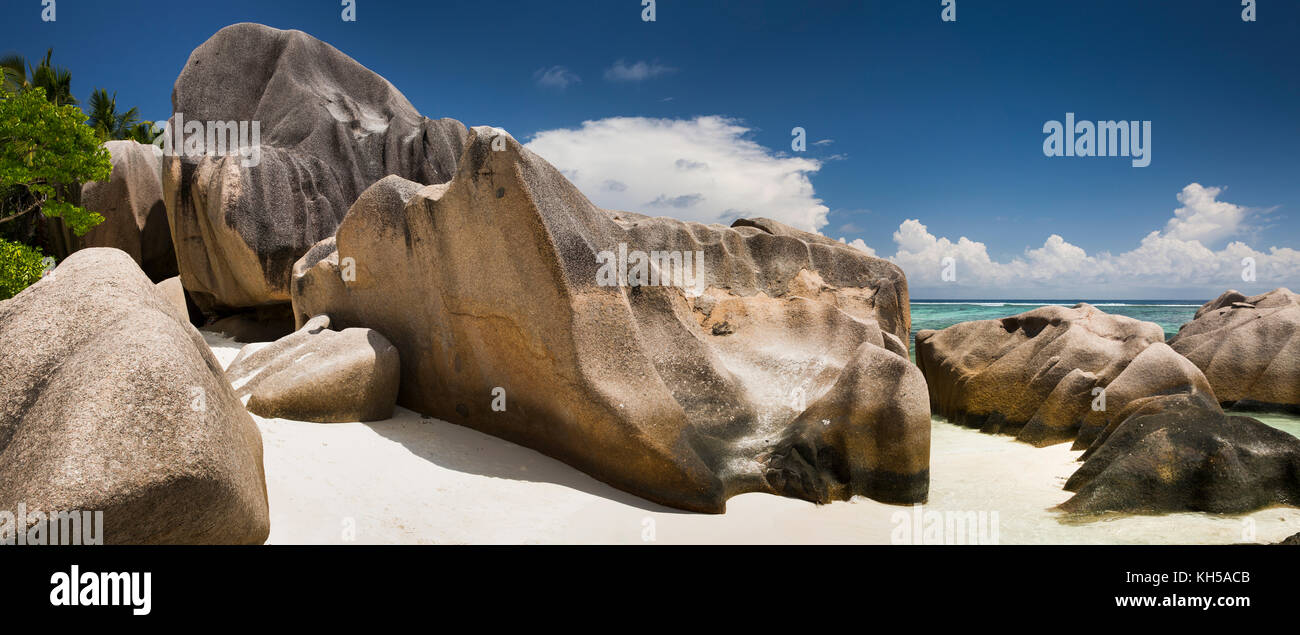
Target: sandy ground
[(415, 480)]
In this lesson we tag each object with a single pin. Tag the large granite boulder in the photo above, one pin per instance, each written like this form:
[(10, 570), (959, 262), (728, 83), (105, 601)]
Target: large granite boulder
[(522, 310), (1180, 452), (1036, 375), (320, 375), (329, 128), (1248, 348), (112, 402), (131, 202)]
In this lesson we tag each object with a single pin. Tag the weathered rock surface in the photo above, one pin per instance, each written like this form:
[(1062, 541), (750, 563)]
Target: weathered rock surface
[(111, 402), (1163, 444), (329, 128), (1181, 452), (1248, 348), (1157, 372), (502, 291), (1032, 375), (131, 202), (320, 375), (174, 292)]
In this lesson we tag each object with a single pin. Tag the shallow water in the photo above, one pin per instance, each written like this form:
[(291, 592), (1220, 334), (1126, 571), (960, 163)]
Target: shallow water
[(974, 471), (1285, 422)]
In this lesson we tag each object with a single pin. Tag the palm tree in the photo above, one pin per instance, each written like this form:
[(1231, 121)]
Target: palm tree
[(108, 122), (146, 132), (13, 73), (56, 80)]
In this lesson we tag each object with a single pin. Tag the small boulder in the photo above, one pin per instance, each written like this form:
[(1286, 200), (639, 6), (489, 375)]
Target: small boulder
[(316, 374)]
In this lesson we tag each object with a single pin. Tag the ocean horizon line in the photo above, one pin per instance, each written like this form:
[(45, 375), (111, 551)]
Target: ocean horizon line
[(1017, 302)]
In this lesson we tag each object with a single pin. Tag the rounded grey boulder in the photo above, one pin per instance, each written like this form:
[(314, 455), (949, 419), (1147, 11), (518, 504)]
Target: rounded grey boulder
[(112, 402), (316, 374)]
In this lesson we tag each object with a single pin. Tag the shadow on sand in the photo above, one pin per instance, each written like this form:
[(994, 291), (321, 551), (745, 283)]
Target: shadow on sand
[(469, 451)]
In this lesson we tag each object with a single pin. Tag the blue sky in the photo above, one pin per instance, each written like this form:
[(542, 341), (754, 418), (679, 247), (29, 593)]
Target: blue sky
[(922, 122)]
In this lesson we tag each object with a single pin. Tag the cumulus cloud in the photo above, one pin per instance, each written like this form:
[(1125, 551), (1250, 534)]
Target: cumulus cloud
[(1204, 218), (858, 243), (621, 71), (1164, 263), (556, 77), (704, 169)]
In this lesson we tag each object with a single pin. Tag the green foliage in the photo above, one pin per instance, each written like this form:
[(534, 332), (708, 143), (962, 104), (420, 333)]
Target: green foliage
[(20, 267), (19, 76), (146, 132), (44, 146), (109, 123)]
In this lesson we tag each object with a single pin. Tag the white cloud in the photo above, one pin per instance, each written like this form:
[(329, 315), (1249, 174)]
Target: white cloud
[(859, 244), (703, 169), (1202, 217), (556, 77), (1170, 263), (621, 71)]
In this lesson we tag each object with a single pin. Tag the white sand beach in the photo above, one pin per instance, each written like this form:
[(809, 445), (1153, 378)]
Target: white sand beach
[(416, 480)]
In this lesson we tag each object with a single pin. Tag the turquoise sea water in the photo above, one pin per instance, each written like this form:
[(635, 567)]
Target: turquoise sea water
[(938, 314), (1169, 314)]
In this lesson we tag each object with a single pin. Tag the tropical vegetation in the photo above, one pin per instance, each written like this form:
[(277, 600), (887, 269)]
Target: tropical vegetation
[(48, 147)]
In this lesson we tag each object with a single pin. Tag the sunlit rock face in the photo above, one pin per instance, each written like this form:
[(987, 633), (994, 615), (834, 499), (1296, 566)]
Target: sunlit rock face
[(1036, 375), (273, 135), (1248, 347), (683, 362), (112, 402)]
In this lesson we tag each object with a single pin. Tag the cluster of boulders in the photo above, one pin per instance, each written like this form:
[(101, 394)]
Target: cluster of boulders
[(466, 278), (1150, 419)]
